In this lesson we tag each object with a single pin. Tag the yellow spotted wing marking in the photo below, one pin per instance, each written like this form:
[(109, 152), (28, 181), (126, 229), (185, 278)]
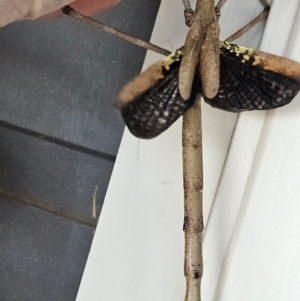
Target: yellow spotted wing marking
[(244, 53), (263, 60), (172, 58), (254, 80), (236, 48)]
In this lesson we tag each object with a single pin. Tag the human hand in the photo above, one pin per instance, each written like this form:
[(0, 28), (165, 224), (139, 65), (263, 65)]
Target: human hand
[(87, 7), (14, 10)]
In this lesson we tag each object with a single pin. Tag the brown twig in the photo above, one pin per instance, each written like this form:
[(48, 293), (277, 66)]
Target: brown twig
[(69, 11), (239, 33)]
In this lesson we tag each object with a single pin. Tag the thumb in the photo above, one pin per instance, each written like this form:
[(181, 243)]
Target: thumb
[(15, 10)]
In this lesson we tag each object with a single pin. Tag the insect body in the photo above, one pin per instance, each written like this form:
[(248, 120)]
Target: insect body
[(249, 80)]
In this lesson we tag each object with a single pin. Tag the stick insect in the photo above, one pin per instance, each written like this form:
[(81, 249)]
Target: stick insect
[(228, 77)]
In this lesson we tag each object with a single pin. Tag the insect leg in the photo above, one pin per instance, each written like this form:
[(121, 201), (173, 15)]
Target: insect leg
[(210, 61), (218, 8)]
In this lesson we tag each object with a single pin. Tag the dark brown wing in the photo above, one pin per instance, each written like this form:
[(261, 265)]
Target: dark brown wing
[(156, 109), (253, 80)]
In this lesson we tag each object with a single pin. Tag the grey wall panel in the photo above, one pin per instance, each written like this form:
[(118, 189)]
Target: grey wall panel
[(42, 256), (60, 78), (52, 176), (59, 135)]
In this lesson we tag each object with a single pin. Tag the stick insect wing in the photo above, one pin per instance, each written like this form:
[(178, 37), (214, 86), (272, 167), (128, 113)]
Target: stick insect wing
[(254, 80), (151, 102), (249, 80)]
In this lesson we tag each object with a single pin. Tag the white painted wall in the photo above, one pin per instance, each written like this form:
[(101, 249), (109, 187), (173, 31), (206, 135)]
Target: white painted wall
[(251, 194)]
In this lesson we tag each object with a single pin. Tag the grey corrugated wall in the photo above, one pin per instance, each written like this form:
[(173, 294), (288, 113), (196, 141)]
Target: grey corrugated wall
[(59, 135)]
